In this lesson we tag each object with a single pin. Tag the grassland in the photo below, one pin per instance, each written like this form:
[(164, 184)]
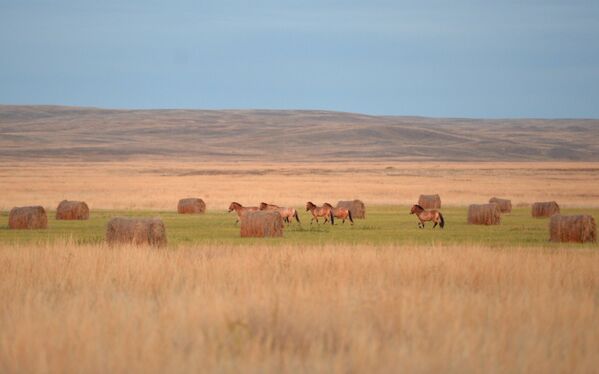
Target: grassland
[(73, 308), (159, 184), (385, 225), (379, 296)]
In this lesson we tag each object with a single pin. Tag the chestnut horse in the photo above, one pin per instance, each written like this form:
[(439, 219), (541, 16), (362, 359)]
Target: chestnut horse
[(341, 213), (240, 209), (427, 215), (286, 213), (325, 211)]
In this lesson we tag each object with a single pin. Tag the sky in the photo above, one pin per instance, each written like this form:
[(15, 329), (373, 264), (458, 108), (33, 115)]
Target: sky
[(484, 59)]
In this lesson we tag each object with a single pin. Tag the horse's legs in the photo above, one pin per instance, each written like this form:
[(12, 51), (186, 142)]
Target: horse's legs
[(435, 225)]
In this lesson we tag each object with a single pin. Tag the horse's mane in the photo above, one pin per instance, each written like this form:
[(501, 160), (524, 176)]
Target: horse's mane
[(419, 207), (236, 203), (327, 204)]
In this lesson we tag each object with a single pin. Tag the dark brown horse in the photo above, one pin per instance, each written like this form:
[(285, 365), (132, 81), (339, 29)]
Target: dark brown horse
[(286, 213), (324, 211), (341, 213), (427, 215), (240, 209)]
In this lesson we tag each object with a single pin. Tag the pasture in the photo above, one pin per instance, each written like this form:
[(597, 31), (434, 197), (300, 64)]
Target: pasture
[(385, 225), (72, 308), (379, 296)]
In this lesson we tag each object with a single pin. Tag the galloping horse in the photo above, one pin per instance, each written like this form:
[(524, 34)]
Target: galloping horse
[(341, 213), (320, 211), (286, 213), (240, 209), (427, 215)]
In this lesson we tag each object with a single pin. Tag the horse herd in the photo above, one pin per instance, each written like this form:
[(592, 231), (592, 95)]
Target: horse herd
[(329, 213)]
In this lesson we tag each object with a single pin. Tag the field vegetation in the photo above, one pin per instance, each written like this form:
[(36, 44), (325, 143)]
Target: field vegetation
[(379, 296), (385, 225), (71, 308)]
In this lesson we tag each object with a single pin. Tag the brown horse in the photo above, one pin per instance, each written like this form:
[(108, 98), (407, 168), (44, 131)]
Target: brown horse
[(286, 213), (427, 215), (320, 211), (341, 213), (240, 209)]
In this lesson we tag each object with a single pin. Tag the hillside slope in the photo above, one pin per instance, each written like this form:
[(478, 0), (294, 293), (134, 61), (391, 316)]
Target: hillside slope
[(54, 132)]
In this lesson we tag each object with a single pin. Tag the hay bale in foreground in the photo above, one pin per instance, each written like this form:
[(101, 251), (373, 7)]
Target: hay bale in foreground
[(545, 209), (136, 231), (72, 210), (505, 205), (191, 205), (577, 229), (430, 201), (261, 224), (356, 207), (28, 218), (484, 214)]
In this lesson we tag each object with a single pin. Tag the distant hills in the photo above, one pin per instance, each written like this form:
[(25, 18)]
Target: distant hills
[(90, 134)]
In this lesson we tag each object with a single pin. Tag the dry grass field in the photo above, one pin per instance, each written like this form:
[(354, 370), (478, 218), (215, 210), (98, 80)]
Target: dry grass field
[(66, 308), (159, 184)]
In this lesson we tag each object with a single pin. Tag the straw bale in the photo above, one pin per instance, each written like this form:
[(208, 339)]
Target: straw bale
[(28, 218), (136, 231)]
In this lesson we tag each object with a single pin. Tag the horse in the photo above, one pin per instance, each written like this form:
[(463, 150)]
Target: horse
[(286, 213), (320, 211), (240, 209), (341, 213), (427, 215)]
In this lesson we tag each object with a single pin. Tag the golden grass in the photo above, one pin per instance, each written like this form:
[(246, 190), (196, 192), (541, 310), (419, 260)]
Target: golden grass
[(67, 308), (159, 184)]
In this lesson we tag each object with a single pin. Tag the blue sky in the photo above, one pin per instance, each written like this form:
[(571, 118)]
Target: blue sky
[(430, 58)]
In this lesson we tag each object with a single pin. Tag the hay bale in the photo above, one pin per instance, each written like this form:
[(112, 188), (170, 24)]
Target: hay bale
[(545, 209), (577, 229), (136, 231), (27, 217), (505, 205), (191, 205), (261, 223), (72, 210), (484, 214), (430, 201), (356, 207)]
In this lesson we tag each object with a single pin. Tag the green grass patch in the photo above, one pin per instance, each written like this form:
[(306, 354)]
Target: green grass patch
[(384, 225)]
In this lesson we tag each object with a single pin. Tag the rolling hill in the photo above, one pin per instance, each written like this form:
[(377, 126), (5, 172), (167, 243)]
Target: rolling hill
[(91, 134)]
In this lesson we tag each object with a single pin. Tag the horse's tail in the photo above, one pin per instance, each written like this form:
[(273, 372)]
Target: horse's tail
[(350, 217), (296, 216), (442, 223), (332, 216)]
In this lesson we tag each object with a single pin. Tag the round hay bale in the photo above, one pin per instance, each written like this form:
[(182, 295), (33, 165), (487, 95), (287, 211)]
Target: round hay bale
[(28, 218), (545, 209), (72, 210), (430, 201), (261, 224), (505, 205), (484, 214), (191, 205), (356, 207), (577, 229), (136, 231)]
